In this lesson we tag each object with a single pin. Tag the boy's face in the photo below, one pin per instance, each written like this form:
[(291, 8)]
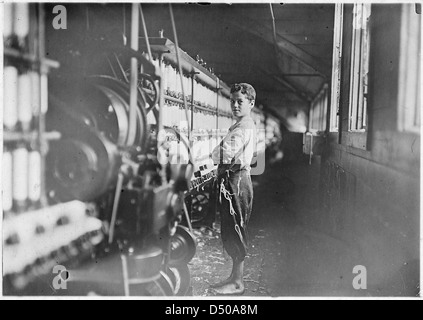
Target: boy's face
[(240, 105)]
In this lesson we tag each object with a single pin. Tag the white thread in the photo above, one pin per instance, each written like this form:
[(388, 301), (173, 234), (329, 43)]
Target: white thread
[(232, 211)]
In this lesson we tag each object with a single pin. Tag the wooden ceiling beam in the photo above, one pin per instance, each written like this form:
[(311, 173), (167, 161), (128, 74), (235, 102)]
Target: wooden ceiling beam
[(300, 93), (287, 84), (284, 45)]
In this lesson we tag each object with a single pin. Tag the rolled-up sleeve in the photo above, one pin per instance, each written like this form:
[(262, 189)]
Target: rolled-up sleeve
[(230, 147)]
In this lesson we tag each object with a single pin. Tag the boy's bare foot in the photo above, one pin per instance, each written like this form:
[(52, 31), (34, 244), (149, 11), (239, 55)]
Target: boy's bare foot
[(231, 288)]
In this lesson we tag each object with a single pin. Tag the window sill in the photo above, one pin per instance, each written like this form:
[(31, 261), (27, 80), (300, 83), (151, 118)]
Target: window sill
[(354, 139), (416, 131), (354, 143), (314, 133), (353, 151), (396, 150)]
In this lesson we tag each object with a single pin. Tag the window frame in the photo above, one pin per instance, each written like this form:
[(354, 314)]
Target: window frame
[(360, 48), (409, 86), (320, 104), (335, 112)]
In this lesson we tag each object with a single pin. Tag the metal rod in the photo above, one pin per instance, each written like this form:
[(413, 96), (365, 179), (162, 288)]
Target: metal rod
[(121, 68), (125, 40), (217, 103), (31, 136), (33, 58), (191, 143), (125, 275), (161, 102), (111, 67), (87, 18), (134, 76), (115, 207), (43, 104), (161, 134), (144, 27), (180, 69), (187, 216), (274, 27)]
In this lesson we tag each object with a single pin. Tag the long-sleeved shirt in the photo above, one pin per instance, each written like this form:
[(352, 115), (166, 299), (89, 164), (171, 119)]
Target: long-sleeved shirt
[(238, 146)]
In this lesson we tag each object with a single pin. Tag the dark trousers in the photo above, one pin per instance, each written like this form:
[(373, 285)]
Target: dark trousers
[(235, 203)]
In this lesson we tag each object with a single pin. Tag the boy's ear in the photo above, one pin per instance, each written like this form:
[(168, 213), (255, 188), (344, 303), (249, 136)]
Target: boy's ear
[(252, 103)]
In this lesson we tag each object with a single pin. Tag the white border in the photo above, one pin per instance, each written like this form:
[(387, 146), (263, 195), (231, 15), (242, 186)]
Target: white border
[(217, 297)]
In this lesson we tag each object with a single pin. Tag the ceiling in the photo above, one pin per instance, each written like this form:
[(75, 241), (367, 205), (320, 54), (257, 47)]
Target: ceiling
[(236, 40)]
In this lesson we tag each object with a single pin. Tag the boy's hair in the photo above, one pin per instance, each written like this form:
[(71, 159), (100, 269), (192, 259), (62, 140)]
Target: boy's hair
[(246, 89)]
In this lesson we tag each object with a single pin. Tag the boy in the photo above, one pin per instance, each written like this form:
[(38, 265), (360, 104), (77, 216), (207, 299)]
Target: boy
[(235, 196)]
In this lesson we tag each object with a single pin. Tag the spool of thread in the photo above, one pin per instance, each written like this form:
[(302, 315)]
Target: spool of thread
[(169, 77), (183, 124), (20, 176), (8, 20), (44, 93), (182, 118), (173, 115), (178, 84), (10, 112), (186, 88), (175, 82), (178, 111), (21, 20), (34, 176), (7, 181), (25, 100), (167, 115), (184, 84), (35, 96), (208, 122), (165, 79)]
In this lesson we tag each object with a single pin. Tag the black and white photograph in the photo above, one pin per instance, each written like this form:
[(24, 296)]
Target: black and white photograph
[(243, 150)]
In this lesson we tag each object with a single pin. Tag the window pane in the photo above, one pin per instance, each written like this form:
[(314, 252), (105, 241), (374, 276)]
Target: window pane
[(359, 67), (336, 73), (409, 75)]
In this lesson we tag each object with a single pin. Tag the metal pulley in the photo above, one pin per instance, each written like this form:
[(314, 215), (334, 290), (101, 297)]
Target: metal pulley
[(181, 279), (112, 112), (102, 103), (83, 164), (149, 90), (80, 169), (94, 123), (183, 247)]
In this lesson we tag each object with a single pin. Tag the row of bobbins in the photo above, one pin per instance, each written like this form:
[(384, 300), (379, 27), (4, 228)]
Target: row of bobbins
[(22, 107), (174, 114)]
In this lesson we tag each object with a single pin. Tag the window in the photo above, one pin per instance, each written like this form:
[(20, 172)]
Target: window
[(318, 111), (359, 68), (337, 61), (410, 66)]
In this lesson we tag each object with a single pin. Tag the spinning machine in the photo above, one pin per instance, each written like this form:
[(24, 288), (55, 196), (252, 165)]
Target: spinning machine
[(106, 177)]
